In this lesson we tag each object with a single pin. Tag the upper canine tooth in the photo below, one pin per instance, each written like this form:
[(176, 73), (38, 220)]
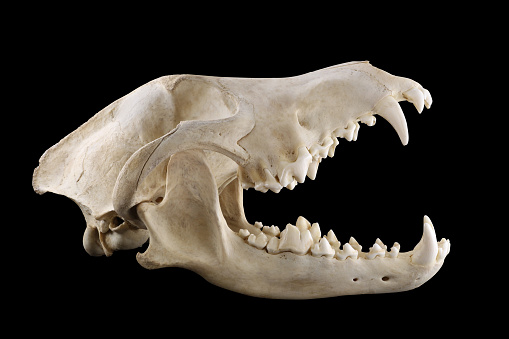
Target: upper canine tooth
[(425, 252), (323, 248), (296, 170), (389, 109)]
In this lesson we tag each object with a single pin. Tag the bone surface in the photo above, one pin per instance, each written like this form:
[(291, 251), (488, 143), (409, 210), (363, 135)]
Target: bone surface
[(168, 163)]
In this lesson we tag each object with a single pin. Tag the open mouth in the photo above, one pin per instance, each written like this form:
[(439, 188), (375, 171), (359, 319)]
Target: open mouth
[(306, 238)]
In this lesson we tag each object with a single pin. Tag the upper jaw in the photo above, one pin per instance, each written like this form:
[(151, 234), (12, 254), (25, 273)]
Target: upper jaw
[(288, 174)]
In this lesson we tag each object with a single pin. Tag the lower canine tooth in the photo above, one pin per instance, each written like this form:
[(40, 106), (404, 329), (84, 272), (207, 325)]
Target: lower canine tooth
[(425, 252)]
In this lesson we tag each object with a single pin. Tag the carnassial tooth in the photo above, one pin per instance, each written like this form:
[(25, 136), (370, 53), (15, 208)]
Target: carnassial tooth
[(425, 252), (315, 232), (375, 251), (323, 248), (290, 239), (302, 224), (394, 250), (244, 233), (296, 170), (271, 183), (389, 109), (294, 241), (273, 245), (271, 230), (334, 242), (347, 252), (332, 149), (259, 241)]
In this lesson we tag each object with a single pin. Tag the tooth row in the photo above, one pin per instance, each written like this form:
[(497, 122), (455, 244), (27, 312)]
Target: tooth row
[(306, 164), (305, 238)]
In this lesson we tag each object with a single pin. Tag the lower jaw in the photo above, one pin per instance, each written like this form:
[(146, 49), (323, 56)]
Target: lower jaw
[(286, 275)]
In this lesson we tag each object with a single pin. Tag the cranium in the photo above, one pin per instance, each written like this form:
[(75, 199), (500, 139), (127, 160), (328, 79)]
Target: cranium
[(169, 161)]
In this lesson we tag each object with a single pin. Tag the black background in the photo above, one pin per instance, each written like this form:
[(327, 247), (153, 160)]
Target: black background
[(72, 66)]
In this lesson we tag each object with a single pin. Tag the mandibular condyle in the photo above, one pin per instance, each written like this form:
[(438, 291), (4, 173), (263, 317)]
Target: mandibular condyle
[(168, 163)]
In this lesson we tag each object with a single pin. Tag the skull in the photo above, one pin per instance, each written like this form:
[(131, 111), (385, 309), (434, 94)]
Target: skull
[(169, 162)]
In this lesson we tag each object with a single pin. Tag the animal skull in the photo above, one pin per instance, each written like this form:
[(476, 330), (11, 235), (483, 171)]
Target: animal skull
[(169, 162)]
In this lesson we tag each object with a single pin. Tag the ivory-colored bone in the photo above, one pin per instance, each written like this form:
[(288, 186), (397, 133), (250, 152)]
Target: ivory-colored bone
[(168, 163)]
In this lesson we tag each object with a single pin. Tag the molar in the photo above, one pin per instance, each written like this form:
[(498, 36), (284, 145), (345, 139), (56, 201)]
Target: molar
[(259, 241)]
